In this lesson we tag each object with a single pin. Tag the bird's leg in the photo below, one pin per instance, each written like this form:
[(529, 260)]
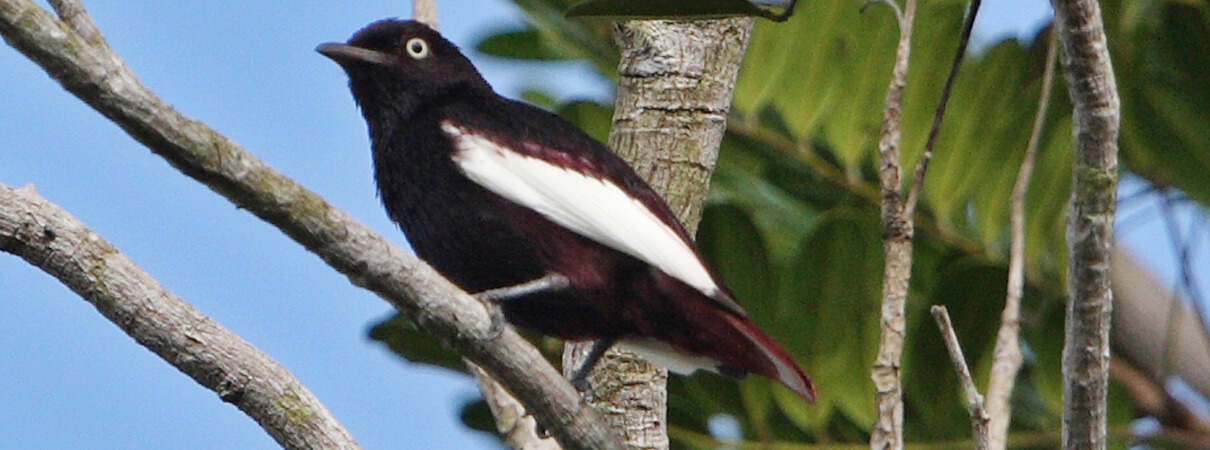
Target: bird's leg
[(492, 298), (579, 379)]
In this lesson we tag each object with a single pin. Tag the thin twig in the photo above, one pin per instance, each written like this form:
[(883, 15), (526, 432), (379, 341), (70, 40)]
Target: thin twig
[(51, 239), (939, 116), (889, 3), (897, 230), (1007, 359), (97, 75), (974, 401)]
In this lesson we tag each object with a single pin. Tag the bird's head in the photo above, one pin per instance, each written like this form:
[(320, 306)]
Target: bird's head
[(398, 66)]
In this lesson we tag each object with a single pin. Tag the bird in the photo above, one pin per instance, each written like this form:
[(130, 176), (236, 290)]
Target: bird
[(539, 220)]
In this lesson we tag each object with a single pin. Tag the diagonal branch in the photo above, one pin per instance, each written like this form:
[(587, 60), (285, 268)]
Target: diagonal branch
[(54, 241), (974, 401), (939, 116), (91, 70)]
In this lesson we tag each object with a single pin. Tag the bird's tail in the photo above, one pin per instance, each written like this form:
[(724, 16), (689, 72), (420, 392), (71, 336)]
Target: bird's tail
[(766, 357), (693, 331)]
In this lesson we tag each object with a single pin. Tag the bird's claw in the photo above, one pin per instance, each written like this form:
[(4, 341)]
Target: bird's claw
[(496, 315)]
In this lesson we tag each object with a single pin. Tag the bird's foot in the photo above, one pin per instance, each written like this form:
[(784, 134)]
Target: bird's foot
[(496, 327), (579, 378), (492, 298)]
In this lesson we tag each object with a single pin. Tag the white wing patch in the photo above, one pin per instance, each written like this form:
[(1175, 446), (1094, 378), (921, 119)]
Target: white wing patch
[(665, 356), (591, 207)]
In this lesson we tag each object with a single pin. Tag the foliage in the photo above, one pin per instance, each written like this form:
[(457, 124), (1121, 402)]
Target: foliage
[(792, 219)]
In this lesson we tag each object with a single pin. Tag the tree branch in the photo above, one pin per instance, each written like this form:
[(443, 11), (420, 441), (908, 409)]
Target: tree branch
[(94, 73), (897, 230), (1007, 357), (425, 11), (51, 239), (518, 429), (675, 90), (1097, 115), (939, 116), (974, 401)]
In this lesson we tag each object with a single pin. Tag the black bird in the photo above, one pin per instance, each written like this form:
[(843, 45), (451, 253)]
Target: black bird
[(520, 206)]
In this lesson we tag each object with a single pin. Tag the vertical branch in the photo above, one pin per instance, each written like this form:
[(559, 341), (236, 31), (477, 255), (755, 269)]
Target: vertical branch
[(1007, 357), (425, 11), (1097, 109), (897, 249), (676, 85)]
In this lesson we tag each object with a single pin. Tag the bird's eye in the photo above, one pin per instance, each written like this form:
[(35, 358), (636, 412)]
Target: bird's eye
[(417, 48)]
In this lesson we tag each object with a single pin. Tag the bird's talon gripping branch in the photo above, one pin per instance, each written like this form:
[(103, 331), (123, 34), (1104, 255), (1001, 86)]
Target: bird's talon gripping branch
[(498, 322), (579, 379)]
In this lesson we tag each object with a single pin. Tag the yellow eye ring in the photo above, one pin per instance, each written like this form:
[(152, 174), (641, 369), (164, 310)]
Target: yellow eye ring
[(417, 48)]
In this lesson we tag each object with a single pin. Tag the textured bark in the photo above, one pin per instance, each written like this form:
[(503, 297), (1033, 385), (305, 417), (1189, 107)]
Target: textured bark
[(897, 231), (1096, 117), (91, 70), (54, 241), (677, 80)]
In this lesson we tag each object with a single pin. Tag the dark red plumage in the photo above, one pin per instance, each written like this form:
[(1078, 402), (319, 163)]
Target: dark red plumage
[(458, 168)]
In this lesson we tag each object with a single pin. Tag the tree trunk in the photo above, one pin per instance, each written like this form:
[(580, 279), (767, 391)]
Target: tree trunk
[(675, 91)]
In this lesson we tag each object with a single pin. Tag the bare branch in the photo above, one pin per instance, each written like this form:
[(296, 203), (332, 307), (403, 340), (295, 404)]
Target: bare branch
[(95, 74), (54, 241), (425, 11), (939, 116), (974, 401), (1097, 119), (897, 230), (515, 425), (1007, 359)]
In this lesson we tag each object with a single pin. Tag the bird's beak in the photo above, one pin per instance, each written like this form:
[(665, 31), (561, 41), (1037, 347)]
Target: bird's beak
[(346, 54)]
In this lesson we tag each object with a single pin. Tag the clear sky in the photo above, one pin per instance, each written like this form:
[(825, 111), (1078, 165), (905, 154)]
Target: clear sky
[(69, 379)]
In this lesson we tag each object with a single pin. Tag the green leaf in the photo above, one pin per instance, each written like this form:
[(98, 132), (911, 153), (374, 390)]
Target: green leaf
[(733, 246), (405, 340), (477, 416), (524, 44), (594, 118), (825, 316), (801, 151)]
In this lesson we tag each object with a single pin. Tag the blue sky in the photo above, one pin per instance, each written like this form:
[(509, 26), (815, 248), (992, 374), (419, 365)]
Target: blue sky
[(70, 379)]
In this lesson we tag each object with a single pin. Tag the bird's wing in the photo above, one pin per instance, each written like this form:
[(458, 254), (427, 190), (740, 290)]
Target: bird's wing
[(592, 206)]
